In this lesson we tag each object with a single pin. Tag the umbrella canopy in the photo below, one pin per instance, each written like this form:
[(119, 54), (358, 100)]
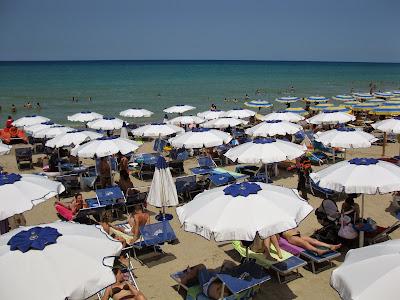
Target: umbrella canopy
[(19, 193), (314, 99), (296, 110), (375, 100), (157, 130), (84, 116), (239, 113), (265, 151), (345, 137), (223, 123), (218, 213), (258, 104), (336, 109), (200, 137), (363, 96), (350, 104), (284, 116), (186, 120), (384, 95), (211, 114), (369, 273), (136, 113), (396, 93), (37, 127), (391, 103), (162, 191), (72, 138), (386, 110), (179, 109), (343, 98), (272, 128), (4, 149), (331, 118), (56, 261), (106, 123), (321, 106), (51, 132), (290, 99), (105, 146), (30, 120), (389, 125), (360, 175)]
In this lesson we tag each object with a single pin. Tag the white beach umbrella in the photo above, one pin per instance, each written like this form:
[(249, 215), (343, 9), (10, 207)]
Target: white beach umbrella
[(218, 213), (56, 261), (37, 127), (369, 273), (84, 116), (136, 113), (331, 118), (51, 132), (389, 125), (343, 98), (284, 116), (4, 149), (179, 109), (288, 99), (265, 151), (105, 146), (157, 130), (19, 193), (272, 128), (211, 114), (200, 137), (223, 123), (29, 120), (72, 138), (186, 120), (162, 191), (239, 113), (345, 137), (106, 123)]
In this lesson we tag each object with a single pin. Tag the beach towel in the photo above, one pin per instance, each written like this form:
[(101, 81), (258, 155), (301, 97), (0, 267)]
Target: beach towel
[(64, 212)]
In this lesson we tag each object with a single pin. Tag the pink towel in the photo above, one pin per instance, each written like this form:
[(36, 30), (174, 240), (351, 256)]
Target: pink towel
[(64, 212), (285, 245)]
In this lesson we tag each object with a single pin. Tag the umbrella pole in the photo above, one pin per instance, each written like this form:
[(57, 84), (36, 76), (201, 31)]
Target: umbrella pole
[(361, 232), (111, 175), (384, 143)]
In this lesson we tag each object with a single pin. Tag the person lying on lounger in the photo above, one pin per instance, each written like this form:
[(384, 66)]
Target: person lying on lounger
[(210, 284), (136, 220), (68, 210), (122, 289), (294, 237), (264, 245)]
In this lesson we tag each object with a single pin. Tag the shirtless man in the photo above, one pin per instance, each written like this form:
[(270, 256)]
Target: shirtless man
[(294, 237)]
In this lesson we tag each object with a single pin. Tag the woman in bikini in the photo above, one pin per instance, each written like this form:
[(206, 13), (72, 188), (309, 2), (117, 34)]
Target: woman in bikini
[(122, 289), (70, 209), (294, 237)]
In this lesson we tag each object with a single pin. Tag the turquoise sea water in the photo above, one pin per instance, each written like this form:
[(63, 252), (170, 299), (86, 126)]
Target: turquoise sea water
[(118, 85)]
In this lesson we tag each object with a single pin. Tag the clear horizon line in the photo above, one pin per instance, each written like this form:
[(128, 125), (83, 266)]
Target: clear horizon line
[(196, 60)]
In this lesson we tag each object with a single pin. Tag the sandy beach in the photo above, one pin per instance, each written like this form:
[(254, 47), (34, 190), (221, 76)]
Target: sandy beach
[(153, 278)]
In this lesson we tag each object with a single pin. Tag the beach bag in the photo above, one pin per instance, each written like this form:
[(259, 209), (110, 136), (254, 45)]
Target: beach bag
[(346, 230)]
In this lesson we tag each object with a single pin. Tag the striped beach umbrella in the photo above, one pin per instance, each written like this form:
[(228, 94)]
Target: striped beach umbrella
[(258, 104), (375, 100), (321, 106), (363, 96), (391, 103), (350, 104), (365, 106), (314, 99), (343, 98), (288, 99), (296, 110), (386, 111), (384, 95), (336, 109)]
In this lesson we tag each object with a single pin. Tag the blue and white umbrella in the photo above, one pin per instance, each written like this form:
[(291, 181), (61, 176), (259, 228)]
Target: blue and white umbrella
[(288, 99), (363, 96), (314, 99), (56, 261), (396, 93), (19, 193), (84, 116), (384, 95), (218, 213), (37, 127), (106, 123), (343, 98), (345, 137), (162, 191), (29, 120), (296, 110), (258, 104)]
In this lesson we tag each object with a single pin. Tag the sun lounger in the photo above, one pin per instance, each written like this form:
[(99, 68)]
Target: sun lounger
[(317, 262), (187, 187), (289, 270), (24, 157), (243, 281), (206, 165), (318, 191), (221, 179)]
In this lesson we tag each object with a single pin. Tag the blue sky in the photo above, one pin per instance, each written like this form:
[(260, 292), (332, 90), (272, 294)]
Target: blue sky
[(323, 30)]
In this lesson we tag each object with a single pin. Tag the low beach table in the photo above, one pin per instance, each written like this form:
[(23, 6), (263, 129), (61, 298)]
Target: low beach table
[(289, 268)]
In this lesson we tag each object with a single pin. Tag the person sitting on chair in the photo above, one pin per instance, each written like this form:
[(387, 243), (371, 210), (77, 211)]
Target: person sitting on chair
[(351, 209), (264, 245), (105, 173), (69, 210), (294, 237), (122, 289), (136, 219), (210, 284), (124, 182)]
